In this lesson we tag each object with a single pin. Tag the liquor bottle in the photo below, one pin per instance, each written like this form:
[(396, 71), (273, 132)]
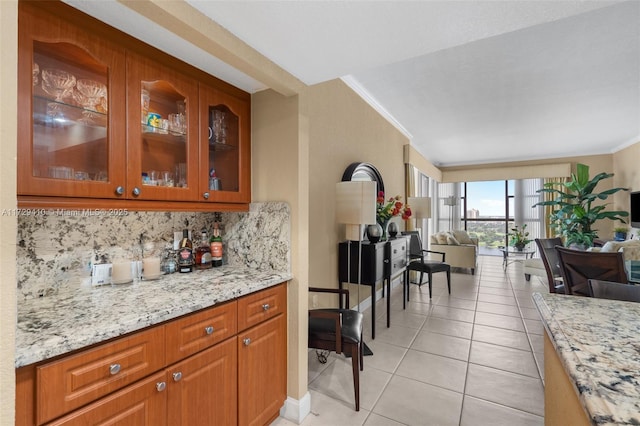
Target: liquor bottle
[(203, 252), (216, 246), (185, 253)]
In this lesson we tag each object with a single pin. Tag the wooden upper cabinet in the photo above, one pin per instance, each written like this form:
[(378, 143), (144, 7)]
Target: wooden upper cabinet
[(162, 153), (225, 148), (103, 116), (71, 124)]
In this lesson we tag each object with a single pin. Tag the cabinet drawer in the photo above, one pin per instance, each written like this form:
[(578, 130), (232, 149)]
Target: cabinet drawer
[(141, 404), (198, 331), (78, 379), (260, 306)]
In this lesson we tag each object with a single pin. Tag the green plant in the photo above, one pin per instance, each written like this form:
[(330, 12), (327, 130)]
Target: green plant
[(621, 229), (518, 236), (391, 208), (574, 212)]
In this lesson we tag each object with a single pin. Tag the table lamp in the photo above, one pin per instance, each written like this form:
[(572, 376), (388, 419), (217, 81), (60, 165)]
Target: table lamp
[(355, 207)]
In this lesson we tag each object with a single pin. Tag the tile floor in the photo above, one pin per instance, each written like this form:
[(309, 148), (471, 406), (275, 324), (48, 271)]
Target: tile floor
[(474, 357)]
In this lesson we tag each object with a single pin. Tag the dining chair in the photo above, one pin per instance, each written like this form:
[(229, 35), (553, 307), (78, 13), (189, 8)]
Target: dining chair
[(551, 262), (419, 262), (615, 291), (340, 331), (579, 266)]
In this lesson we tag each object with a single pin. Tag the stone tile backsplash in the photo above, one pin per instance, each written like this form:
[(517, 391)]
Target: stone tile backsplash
[(55, 251)]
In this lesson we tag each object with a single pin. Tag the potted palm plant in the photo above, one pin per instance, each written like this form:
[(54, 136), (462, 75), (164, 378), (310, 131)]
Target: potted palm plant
[(574, 211)]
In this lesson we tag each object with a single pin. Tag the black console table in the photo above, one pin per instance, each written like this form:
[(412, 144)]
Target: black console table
[(380, 262)]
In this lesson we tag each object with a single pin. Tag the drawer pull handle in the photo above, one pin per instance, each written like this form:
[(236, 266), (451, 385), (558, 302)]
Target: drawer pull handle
[(246, 341), (266, 307), (177, 376), (114, 369), (119, 190), (208, 330), (160, 386)]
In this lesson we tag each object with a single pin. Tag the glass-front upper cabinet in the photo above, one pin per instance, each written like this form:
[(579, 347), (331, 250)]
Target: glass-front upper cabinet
[(71, 83), (224, 153), (162, 151)]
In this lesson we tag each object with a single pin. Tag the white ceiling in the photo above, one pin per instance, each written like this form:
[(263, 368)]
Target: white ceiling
[(468, 81)]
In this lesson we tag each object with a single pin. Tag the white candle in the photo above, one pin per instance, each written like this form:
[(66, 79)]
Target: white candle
[(151, 267), (121, 272)]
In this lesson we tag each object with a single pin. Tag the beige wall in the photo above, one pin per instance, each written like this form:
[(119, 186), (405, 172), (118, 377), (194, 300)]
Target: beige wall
[(344, 129), (280, 171), (8, 129)]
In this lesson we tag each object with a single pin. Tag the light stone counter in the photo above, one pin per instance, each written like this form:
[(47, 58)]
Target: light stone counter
[(598, 343), (54, 325)]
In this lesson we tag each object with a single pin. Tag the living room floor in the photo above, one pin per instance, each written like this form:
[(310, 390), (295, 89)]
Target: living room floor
[(474, 357)]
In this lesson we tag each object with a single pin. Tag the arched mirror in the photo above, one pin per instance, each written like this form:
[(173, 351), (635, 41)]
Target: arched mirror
[(363, 172)]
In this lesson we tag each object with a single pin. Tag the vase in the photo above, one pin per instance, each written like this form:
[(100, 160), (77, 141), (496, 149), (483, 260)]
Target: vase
[(374, 232), (520, 246), (392, 229), (383, 224)]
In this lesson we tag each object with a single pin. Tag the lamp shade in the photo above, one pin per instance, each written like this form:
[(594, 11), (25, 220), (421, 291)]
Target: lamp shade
[(420, 207), (450, 201), (356, 202)]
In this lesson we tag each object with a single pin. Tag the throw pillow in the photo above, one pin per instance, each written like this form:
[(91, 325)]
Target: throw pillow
[(441, 237), (451, 240), (433, 239), (610, 247), (462, 237)]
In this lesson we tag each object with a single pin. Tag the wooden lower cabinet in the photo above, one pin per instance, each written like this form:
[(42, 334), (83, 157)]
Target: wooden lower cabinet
[(262, 367), (203, 389), (240, 379)]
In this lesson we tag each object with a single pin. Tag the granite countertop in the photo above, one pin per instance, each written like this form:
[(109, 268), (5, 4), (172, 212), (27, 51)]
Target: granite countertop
[(54, 325), (598, 342)]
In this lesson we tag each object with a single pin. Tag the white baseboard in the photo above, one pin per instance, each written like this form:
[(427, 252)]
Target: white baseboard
[(296, 409)]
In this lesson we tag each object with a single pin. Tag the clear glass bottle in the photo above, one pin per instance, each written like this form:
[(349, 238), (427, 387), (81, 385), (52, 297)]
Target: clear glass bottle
[(203, 252)]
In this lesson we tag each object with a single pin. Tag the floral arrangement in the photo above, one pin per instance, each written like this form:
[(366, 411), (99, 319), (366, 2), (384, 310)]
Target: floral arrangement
[(391, 208), (518, 236)]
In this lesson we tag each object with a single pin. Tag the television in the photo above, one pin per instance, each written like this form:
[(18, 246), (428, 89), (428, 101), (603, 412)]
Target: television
[(635, 209)]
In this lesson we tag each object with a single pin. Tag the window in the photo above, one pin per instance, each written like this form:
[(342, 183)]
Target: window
[(490, 209)]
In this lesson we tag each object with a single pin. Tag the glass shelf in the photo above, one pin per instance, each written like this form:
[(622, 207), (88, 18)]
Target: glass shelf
[(49, 112)]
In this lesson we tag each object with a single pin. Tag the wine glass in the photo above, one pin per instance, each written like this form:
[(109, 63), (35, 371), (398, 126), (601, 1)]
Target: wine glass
[(219, 127), (57, 83)]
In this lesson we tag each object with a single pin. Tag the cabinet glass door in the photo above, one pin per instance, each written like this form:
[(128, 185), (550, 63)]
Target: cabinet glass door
[(69, 90), (162, 155), (224, 154)]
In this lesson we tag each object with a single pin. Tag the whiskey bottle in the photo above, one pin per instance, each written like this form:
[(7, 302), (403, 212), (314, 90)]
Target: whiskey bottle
[(185, 253), (203, 252)]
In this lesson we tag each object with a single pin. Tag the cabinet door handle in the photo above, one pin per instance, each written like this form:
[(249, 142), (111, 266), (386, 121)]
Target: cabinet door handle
[(266, 307), (246, 341), (177, 376), (136, 191), (205, 195), (119, 190), (208, 330), (160, 386), (114, 369)]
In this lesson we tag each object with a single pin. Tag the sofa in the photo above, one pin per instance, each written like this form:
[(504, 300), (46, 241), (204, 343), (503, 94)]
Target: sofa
[(630, 249), (460, 249)]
